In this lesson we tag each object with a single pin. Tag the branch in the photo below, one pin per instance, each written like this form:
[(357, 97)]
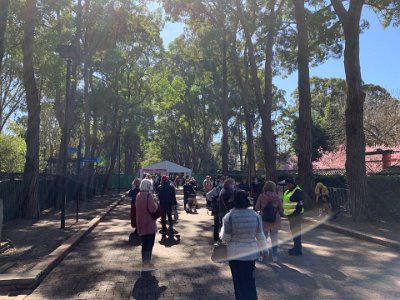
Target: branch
[(376, 5), (356, 8), (340, 10)]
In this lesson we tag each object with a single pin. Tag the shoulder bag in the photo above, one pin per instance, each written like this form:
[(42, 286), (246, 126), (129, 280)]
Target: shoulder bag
[(155, 215), (220, 250)]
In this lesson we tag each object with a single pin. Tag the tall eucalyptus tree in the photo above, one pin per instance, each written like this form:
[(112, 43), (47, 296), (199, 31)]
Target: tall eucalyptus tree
[(350, 18), (214, 15), (30, 208), (3, 26), (263, 101), (306, 178)]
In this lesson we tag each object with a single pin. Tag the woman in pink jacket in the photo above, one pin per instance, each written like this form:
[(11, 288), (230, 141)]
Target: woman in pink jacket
[(271, 228), (145, 224)]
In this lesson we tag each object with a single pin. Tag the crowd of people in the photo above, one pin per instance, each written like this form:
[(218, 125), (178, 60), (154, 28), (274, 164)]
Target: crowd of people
[(245, 216)]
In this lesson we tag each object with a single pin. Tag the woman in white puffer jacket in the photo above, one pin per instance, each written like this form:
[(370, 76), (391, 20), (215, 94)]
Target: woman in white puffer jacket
[(243, 233)]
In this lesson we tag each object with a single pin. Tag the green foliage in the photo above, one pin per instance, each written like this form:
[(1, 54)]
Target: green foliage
[(319, 139), (388, 11), (155, 95), (383, 196), (325, 36), (12, 154)]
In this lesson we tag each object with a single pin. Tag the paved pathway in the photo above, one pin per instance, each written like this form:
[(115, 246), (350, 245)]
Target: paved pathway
[(105, 266), (34, 239)]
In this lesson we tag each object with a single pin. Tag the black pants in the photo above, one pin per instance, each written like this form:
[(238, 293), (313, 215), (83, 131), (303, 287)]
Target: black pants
[(217, 226), (243, 279), (167, 211), (147, 247), (295, 228)]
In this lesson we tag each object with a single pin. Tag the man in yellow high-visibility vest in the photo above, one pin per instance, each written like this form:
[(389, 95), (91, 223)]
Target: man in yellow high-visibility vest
[(293, 209)]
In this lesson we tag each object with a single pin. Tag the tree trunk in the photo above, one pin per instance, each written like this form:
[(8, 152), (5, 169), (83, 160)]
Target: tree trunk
[(267, 133), (76, 62), (113, 157), (115, 134), (3, 28), (244, 89), (355, 138), (192, 144), (58, 105), (88, 140), (269, 138), (306, 178), (88, 167), (224, 107), (31, 206)]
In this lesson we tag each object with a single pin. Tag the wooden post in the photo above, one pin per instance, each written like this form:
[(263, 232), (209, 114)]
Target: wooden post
[(386, 159)]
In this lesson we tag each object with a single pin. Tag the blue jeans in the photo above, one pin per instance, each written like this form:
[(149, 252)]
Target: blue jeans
[(243, 279), (274, 241)]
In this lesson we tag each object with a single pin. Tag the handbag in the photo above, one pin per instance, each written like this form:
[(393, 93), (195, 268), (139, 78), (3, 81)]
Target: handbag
[(219, 253), (220, 250), (155, 215), (133, 214), (134, 239)]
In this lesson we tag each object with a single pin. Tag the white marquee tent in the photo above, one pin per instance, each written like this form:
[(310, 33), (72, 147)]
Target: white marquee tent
[(165, 168)]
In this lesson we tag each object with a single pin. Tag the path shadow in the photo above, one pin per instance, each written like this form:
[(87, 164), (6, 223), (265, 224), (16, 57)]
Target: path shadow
[(146, 287), (295, 276), (169, 241)]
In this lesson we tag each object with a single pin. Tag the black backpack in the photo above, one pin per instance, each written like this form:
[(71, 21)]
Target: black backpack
[(215, 202), (269, 213)]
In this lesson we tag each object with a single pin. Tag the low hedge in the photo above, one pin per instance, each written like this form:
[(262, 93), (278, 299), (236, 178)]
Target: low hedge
[(384, 195)]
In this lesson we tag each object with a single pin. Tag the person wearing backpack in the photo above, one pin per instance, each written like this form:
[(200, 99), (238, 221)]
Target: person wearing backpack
[(270, 207), (212, 198)]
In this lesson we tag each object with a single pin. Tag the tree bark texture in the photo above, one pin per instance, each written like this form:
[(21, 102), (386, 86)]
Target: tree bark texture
[(355, 137), (306, 178), (30, 207)]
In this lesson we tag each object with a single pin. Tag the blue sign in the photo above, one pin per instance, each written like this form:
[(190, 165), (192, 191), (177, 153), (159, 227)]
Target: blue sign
[(73, 149), (90, 159)]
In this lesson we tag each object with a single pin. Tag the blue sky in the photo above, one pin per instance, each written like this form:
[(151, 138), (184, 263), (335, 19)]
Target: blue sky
[(379, 57)]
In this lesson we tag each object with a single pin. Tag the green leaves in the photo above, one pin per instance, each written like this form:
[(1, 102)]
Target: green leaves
[(12, 154)]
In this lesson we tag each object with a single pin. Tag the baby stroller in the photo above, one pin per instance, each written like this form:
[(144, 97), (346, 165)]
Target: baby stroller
[(192, 203)]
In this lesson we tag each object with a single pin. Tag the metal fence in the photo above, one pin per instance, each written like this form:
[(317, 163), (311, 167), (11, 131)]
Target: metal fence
[(11, 191), (340, 200)]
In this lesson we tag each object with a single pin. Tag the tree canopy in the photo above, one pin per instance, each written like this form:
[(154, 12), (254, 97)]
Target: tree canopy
[(207, 102)]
